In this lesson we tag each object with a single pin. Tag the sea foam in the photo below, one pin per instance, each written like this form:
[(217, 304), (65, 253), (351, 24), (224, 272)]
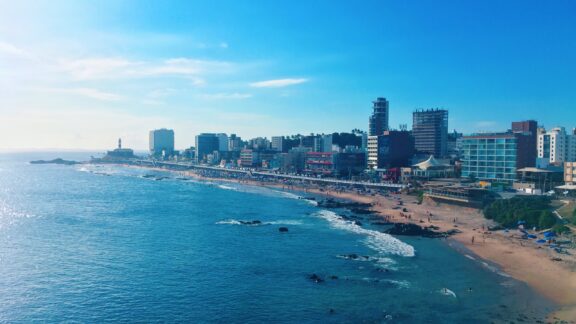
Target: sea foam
[(375, 240)]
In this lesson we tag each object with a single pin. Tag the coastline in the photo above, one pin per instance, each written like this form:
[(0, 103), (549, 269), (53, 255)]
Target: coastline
[(524, 262)]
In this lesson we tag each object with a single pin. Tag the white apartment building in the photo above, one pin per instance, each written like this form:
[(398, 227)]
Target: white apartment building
[(557, 146), (372, 152)]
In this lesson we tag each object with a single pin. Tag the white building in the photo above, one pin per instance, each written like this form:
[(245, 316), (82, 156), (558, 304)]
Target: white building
[(557, 146), (372, 152)]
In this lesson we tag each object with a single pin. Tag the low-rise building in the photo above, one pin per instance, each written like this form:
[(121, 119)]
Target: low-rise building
[(570, 173)]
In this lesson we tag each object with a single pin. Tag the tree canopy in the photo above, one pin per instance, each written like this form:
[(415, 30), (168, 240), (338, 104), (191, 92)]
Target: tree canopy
[(535, 211)]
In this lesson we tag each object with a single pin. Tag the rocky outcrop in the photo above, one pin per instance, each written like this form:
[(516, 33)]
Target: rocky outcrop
[(55, 161), (316, 278), (415, 230), (331, 204)]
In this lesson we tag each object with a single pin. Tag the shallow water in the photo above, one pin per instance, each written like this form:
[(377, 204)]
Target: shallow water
[(108, 243)]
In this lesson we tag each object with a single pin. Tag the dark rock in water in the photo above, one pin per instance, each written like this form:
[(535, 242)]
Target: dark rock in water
[(333, 277), (55, 161), (316, 278), (413, 230), (358, 223), (283, 229), (307, 198)]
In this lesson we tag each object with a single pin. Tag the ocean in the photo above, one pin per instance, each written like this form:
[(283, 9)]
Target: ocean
[(88, 243)]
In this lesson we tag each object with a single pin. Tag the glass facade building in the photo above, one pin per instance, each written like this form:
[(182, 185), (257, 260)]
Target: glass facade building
[(490, 156)]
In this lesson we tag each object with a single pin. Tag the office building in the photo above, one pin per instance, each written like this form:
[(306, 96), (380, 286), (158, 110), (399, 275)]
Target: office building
[(335, 164), (234, 143), (278, 143), (430, 131), (206, 143), (392, 149), (259, 143), (308, 141), (378, 121), (323, 143), (161, 142), (528, 151), (494, 156), (222, 142), (556, 146)]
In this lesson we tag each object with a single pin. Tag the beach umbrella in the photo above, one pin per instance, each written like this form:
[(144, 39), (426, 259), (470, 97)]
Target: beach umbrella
[(541, 241), (521, 222), (549, 234)]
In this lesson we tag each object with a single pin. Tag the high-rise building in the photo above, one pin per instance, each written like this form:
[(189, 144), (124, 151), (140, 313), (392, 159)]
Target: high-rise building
[(222, 142), (161, 142), (378, 121), (528, 152), (556, 146), (430, 131), (278, 143), (206, 144), (323, 143), (393, 149), (234, 143)]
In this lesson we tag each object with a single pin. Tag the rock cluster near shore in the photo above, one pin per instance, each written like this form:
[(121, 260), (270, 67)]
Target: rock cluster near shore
[(408, 229), (55, 161)]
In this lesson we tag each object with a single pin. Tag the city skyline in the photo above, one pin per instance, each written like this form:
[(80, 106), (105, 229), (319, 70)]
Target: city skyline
[(272, 70)]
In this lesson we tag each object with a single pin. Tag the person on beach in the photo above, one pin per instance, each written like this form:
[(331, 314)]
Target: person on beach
[(472, 239)]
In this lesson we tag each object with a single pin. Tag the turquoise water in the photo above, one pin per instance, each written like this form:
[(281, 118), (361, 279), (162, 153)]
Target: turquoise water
[(108, 243)]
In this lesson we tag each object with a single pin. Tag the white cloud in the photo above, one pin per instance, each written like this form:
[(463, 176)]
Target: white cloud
[(217, 96), (277, 83), (87, 92), (12, 50), (96, 68), (223, 45), (161, 93), (112, 68)]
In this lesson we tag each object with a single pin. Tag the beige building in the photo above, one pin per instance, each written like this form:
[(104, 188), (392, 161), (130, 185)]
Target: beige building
[(570, 173)]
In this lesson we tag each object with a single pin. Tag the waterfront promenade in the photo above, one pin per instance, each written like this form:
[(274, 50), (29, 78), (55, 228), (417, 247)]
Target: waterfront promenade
[(181, 166)]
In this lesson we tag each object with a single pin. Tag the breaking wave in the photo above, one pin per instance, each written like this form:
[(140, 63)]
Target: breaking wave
[(375, 240)]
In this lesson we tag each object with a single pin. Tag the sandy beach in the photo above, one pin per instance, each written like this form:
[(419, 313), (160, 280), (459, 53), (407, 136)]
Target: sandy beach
[(550, 274)]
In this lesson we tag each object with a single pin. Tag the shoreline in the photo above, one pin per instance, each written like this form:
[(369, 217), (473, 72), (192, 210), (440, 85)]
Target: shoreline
[(526, 263)]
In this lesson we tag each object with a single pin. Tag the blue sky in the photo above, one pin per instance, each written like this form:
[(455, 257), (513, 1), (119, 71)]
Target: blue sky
[(80, 74)]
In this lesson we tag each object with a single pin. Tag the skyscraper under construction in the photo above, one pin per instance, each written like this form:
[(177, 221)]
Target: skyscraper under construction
[(378, 122)]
